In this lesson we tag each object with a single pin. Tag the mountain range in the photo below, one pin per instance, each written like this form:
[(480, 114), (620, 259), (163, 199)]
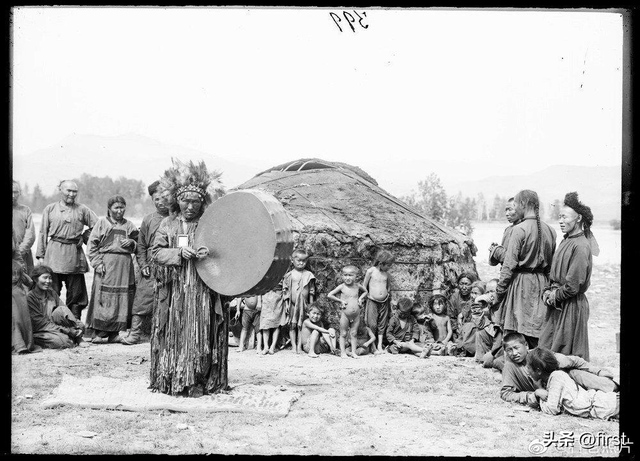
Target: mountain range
[(139, 157)]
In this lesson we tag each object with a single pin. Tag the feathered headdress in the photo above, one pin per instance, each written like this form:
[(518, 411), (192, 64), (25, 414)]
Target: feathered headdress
[(571, 200), (190, 177)]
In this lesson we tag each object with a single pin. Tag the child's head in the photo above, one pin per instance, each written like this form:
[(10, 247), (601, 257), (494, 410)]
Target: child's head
[(404, 307), (315, 312), (384, 259), (491, 286), (477, 289), (516, 347), (464, 283), (16, 271), (541, 363), (419, 312), (349, 274), (438, 304), (42, 277), (299, 259)]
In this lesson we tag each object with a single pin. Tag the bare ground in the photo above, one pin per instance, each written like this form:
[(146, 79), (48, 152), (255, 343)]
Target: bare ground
[(382, 405)]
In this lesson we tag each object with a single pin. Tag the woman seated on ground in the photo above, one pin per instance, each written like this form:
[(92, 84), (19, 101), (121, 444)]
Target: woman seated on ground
[(53, 324), (21, 332)]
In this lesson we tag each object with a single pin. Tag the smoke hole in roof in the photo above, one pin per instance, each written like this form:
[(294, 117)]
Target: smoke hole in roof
[(304, 166)]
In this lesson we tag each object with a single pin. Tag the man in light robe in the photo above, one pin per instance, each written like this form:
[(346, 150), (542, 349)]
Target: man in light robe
[(66, 225)]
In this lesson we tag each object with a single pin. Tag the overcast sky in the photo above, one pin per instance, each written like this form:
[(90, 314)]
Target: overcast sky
[(462, 93)]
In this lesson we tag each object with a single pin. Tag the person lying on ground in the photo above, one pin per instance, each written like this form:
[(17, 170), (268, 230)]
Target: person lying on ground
[(561, 394), (519, 386), (350, 301), (403, 332), (316, 339)]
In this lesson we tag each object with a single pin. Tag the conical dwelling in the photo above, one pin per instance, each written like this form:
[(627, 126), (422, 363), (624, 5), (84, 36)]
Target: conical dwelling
[(341, 216)]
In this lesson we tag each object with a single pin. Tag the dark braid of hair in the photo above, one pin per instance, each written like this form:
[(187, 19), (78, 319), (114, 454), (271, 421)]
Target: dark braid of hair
[(530, 198), (536, 207)]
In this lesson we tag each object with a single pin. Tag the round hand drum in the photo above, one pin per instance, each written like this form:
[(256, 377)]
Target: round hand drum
[(250, 240)]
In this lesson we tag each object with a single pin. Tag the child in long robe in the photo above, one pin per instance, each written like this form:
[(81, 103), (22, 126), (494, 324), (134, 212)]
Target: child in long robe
[(470, 319), (298, 292)]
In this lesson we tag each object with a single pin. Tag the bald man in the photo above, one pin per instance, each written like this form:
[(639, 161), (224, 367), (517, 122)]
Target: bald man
[(60, 245), (24, 231)]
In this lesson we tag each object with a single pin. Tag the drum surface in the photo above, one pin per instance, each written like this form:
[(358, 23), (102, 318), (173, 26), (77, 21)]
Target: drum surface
[(250, 240)]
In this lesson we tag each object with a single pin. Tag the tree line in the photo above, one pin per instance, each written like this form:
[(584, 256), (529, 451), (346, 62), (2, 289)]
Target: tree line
[(459, 212), (94, 191)]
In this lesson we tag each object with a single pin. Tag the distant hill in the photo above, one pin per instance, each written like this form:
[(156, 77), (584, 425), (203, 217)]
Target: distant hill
[(132, 156), (599, 187)]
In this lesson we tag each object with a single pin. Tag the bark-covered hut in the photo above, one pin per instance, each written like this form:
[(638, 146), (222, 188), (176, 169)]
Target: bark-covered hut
[(340, 216)]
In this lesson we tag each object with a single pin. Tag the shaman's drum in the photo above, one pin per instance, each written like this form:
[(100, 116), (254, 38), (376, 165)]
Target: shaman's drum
[(250, 240)]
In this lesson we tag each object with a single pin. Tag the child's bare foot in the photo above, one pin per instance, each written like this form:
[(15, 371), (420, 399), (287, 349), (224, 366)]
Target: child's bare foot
[(239, 350), (259, 351), (354, 356), (271, 351), (426, 352), (313, 355), (378, 352), (344, 355)]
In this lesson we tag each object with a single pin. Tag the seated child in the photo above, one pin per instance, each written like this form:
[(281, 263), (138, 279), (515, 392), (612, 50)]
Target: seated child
[(377, 282), (469, 319), (440, 325), (518, 386), (420, 314), (560, 393), (250, 308), (403, 332), (316, 339), (365, 340), (350, 302)]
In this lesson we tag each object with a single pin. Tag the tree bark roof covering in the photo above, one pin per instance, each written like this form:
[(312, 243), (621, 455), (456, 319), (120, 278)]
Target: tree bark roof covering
[(337, 198)]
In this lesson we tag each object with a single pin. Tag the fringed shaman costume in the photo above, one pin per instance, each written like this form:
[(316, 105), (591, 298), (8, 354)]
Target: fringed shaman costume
[(189, 339)]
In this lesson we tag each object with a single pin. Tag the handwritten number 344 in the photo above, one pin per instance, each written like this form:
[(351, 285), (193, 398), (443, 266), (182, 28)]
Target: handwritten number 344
[(349, 19)]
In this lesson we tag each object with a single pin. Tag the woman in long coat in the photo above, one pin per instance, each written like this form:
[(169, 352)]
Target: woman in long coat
[(565, 328), (111, 243)]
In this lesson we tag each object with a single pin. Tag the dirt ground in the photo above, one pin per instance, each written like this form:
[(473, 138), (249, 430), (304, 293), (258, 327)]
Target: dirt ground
[(376, 405)]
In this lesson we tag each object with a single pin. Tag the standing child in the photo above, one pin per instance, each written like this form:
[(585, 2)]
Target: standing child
[(316, 339), (250, 308), (350, 301), (440, 324), (403, 331), (377, 282), (298, 292), (562, 393)]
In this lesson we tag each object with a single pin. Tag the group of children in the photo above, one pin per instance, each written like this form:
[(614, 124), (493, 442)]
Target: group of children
[(368, 324), (464, 324)]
